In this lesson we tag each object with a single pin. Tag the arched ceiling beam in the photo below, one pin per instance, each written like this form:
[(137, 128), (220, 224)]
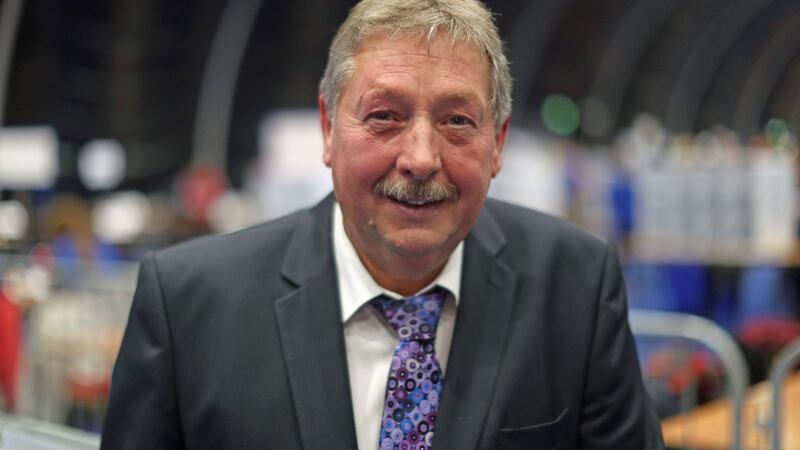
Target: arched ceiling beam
[(697, 71), (794, 86), (10, 11), (625, 49), (215, 103), (765, 75), (531, 34)]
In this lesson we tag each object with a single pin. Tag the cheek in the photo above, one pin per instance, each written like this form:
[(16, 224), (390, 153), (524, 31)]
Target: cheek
[(470, 168), (360, 158)]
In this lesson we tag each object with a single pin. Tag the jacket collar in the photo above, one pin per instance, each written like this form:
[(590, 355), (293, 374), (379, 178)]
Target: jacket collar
[(310, 252)]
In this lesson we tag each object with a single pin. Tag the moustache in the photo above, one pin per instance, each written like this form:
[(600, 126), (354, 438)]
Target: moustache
[(416, 192)]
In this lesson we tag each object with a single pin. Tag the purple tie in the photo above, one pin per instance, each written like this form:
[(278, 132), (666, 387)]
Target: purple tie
[(415, 378)]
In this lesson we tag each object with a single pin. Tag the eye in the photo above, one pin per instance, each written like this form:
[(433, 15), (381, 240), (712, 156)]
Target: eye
[(382, 121), (381, 115), (459, 121)]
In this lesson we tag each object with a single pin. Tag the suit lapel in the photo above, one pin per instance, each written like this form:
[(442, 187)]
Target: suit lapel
[(484, 310), (312, 337)]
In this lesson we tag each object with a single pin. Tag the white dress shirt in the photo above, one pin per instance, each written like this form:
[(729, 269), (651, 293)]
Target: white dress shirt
[(369, 341)]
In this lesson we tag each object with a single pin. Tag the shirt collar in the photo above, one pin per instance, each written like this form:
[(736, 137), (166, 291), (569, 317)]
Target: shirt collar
[(356, 285)]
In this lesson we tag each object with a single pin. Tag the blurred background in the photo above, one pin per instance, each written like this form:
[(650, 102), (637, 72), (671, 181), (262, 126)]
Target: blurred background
[(666, 126)]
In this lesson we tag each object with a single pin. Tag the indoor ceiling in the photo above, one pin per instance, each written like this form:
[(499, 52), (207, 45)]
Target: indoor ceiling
[(135, 69)]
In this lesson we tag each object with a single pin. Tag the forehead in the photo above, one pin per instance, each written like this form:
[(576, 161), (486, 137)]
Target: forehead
[(389, 58)]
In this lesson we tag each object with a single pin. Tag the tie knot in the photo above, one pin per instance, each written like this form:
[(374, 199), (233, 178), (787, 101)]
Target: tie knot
[(413, 318)]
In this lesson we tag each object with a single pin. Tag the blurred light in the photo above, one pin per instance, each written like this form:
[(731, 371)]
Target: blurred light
[(560, 114), (13, 220), (647, 134), (121, 218), (28, 157), (777, 132), (532, 174), (31, 284), (711, 147), (291, 173), (37, 283), (101, 164), (232, 211), (596, 120)]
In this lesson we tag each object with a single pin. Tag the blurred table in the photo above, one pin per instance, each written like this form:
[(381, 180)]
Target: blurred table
[(709, 425)]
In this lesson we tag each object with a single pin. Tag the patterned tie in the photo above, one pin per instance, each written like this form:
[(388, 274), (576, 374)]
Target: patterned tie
[(415, 377)]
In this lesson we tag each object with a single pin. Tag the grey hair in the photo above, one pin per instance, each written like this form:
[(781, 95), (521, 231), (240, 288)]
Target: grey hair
[(467, 21)]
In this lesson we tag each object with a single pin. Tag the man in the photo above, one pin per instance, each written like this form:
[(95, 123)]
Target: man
[(498, 327)]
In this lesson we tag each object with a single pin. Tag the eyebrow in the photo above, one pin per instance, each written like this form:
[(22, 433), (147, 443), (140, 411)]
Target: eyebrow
[(449, 100), (379, 93), (459, 98)]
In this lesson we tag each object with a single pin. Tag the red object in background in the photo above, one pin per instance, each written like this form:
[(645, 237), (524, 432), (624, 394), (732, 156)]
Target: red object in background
[(199, 188), (10, 340), (769, 333), (89, 391), (697, 370)]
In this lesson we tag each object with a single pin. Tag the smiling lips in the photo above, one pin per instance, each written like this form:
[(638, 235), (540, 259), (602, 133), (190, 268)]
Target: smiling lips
[(415, 203)]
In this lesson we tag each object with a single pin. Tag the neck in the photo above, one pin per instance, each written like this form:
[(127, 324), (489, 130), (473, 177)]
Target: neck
[(404, 279)]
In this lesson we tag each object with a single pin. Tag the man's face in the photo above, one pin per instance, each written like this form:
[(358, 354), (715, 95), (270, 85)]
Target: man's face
[(412, 148)]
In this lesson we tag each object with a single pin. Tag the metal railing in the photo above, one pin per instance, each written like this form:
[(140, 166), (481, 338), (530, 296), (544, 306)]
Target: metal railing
[(786, 360), (695, 328)]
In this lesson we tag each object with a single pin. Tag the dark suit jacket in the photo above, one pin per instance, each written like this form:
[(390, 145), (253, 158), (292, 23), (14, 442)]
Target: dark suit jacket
[(236, 342)]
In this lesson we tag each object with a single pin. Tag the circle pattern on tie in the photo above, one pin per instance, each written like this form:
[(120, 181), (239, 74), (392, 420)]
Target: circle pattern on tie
[(415, 377)]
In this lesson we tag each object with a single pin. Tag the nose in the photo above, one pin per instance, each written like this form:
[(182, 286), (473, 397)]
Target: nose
[(420, 156)]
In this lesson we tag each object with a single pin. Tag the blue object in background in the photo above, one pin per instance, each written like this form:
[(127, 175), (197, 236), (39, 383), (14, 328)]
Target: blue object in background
[(725, 297), (648, 287), (690, 288), (622, 203), (762, 294), (685, 288)]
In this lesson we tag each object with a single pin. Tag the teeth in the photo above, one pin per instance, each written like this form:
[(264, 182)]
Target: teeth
[(412, 202), (416, 202)]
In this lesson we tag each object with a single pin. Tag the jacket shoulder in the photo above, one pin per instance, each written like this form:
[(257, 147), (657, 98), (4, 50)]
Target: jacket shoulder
[(532, 234), (517, 220)]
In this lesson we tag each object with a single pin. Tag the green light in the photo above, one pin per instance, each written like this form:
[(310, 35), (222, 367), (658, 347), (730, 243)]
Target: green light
[(560, 114), (776, 131)]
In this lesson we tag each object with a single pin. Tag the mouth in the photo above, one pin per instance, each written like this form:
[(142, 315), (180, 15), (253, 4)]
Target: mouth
[(416, 204)]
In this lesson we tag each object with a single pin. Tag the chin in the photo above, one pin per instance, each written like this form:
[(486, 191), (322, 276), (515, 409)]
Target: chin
[(420, 243)]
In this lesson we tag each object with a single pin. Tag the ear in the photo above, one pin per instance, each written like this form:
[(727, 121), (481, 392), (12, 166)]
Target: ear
[(499, 143), (327, 130)]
